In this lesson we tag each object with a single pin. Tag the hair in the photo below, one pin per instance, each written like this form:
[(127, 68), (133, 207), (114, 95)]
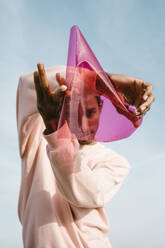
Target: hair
[(98, 100)]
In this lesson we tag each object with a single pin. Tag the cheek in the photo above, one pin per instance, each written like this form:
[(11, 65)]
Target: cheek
[(93, 121)]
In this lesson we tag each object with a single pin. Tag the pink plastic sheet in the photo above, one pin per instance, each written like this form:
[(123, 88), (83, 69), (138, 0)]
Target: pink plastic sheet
[(95, 109)]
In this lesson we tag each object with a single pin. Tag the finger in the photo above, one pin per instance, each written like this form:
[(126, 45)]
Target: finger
[(142, 108), (148, 91), (139, 87), (146, 110), (60, 79), (42, 74), (44, 81), (62, 82), (37, 85), (145, 95), (59, 92)]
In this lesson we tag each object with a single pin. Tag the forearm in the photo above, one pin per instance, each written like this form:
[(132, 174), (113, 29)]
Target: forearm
[(121, 80), (74, 178)]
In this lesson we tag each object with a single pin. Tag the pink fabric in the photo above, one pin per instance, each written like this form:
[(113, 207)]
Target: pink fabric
[(112, 121), (64, 186)]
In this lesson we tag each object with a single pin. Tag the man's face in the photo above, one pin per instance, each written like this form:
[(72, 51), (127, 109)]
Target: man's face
[(89, 115), (83, 82)]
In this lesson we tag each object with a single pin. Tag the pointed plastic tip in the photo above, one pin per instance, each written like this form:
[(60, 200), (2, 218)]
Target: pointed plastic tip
[(74, 27)]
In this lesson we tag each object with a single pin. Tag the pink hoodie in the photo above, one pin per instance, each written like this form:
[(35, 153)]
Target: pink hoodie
[(65, 186)]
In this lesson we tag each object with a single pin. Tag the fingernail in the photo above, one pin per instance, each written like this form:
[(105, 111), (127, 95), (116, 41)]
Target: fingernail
[(63, 87), (145, 97), (132, 108), (40, 65), (143, 108), (138, 113)]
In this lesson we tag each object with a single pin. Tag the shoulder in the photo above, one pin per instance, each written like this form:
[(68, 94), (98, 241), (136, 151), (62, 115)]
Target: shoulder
[(104, 154)]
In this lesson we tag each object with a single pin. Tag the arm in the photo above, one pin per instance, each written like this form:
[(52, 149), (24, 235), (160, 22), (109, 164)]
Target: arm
[(30, 128), (29, 121), (76, 181), (78, 184), (137, 91)]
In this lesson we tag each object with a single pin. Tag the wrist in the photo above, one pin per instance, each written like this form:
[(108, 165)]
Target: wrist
[(116, 79), (51, 126)]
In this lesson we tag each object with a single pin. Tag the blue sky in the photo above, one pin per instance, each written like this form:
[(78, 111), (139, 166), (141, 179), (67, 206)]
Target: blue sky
[(127, 37)]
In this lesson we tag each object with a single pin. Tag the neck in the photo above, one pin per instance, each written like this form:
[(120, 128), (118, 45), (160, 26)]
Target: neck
[(86, 142)]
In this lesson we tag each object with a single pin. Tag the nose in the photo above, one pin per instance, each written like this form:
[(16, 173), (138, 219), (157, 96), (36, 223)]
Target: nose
[(84, 124)]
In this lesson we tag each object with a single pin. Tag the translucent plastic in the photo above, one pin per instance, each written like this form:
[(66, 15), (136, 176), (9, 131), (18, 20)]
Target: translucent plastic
[(94, 109)]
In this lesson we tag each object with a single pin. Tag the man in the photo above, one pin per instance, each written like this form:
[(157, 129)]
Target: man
[(66, 183)]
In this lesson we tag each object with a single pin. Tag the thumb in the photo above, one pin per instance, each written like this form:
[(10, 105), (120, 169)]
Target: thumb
[(59, 92)]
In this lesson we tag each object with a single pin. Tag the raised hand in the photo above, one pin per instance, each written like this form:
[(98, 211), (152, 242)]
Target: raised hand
[(49, 104), (137, 91)]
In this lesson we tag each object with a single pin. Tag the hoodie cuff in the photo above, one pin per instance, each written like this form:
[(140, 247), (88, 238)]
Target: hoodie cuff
[(62, 133)]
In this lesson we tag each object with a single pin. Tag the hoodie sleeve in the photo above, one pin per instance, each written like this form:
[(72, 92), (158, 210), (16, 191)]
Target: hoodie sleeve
[(78, 184)]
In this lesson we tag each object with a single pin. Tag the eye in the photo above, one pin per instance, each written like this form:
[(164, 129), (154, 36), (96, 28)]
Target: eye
[(90, 112)]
